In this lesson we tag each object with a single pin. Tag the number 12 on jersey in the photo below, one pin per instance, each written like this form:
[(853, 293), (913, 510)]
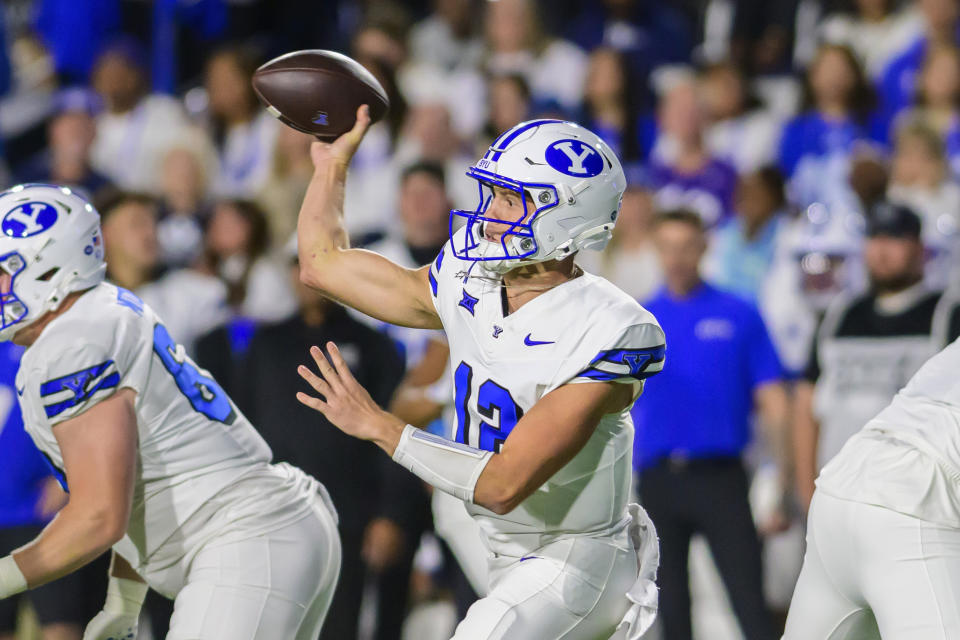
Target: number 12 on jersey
[(494, 403)]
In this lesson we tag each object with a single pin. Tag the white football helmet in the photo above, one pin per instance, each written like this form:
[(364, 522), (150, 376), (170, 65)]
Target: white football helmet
[(575, 181), (50, 245)]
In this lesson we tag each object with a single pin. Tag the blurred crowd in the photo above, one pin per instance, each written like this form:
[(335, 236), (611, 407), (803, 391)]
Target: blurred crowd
[(787, 127)]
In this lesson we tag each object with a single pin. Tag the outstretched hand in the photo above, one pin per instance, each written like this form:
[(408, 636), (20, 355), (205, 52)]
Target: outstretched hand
[(345, 403), (341, 150)]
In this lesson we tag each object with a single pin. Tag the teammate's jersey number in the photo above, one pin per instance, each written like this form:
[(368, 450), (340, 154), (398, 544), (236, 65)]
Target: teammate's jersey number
[(204, 394), (494, 403)]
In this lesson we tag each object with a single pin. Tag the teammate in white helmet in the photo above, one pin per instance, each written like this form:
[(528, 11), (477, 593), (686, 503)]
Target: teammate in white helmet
[(159, 463), (546, 361)]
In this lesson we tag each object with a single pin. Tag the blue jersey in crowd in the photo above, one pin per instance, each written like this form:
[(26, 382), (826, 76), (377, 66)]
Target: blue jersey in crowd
[(719, 353), (23, 471)]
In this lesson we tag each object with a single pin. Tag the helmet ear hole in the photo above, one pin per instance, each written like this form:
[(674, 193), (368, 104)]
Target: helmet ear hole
[(46, 277)]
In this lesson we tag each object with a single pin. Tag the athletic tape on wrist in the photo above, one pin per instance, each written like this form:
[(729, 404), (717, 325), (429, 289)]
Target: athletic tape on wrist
[(12, 581), (449, 466)]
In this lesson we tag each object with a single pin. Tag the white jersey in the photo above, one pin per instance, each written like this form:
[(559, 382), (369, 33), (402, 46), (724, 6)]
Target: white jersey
[(907, 458), (192, 441), (584, 330)]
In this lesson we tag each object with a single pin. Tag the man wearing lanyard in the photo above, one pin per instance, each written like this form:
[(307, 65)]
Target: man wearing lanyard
[(692, 429), (29, 497)]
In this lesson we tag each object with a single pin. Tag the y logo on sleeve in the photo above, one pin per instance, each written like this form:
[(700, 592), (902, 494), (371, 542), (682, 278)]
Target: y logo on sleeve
[(63, 393)]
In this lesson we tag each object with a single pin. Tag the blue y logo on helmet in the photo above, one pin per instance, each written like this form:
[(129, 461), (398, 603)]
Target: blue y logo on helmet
[(574, 158), (28, 219)]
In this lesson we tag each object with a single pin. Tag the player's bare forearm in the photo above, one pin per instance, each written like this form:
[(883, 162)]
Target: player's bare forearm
[(806, 433), (545, 439), (542, 442), (99, 453), (320, 228), (72, 540), (360, 279)]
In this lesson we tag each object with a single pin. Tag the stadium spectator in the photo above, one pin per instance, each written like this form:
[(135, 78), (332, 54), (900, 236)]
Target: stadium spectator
[(184, 177), (244, 133), (692, 430), (361, 482), (290, 173), (70, 134), (938, 100), (649, 34), (190, 303), (424, 209), (509, 102), (370, 195), (449, 37), (29, 498), (920, 180), (817, 258), (682, 170), (740, 130), (609, 107), (875, 30), (629, 260), (898, 84), (430, 137), (135, 129), (517, 43), (383, 35), (75, 33), (742, 250), (816, 146), (869, 345), (235, 251)]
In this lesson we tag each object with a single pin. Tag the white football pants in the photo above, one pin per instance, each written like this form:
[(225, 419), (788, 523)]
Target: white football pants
[(275, 586), (462, 534), (870, 572), (572, 589)]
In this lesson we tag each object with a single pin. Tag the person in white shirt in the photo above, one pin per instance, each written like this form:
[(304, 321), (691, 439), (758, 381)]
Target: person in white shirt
[(135, 129), (555, 69), (920, 179), (875, 30), (244, 133)]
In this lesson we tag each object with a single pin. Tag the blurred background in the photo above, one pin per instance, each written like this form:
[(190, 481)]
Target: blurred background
[(806, 151)]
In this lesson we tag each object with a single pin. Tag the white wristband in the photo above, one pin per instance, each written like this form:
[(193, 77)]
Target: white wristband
[(12, 581), (125, 597), (450, 466)]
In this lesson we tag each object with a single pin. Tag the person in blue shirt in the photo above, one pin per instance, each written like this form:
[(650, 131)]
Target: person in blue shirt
[(29, 497), (694, 425), (816, 146), (742, 250), (899, 81)]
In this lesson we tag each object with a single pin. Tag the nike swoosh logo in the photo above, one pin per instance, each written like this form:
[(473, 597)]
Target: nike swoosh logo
[(532, 343), (529, 558)]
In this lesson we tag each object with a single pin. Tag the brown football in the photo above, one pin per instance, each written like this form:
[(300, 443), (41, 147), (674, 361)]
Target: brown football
[(318, 92)]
